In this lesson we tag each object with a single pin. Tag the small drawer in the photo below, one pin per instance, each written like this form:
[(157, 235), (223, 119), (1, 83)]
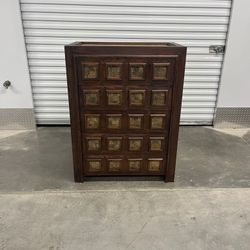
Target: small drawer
[(156, 144), (114, 144), (137, 71), (137, 98), (114, 71), (115, 98), (157, 121), (155, 164), (135, 121), (134, 165), (114, 121), (159, 98), (90, 71), (114, 165), (92, 97), (135, 144), (93, 144), (162, 71), (94, 165), (92, 121)]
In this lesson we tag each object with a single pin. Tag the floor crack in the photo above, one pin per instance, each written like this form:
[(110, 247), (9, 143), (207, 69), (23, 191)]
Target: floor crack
[(138, 233)]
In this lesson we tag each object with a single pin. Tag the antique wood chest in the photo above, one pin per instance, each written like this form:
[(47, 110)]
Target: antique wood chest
[(125, 101)]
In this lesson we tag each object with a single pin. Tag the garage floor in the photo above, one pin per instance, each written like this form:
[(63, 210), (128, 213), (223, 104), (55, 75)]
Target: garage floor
[(208, 206)]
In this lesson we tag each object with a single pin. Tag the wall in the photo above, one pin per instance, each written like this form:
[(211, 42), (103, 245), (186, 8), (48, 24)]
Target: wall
[(233, 107), (197, 24), (16, 105)]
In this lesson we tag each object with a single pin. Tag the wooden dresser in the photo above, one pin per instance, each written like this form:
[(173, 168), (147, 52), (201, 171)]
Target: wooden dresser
[(125, 101)]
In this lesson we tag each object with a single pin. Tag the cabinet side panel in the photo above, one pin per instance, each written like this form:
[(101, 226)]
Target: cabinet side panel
[(175, 115), (74, 115)]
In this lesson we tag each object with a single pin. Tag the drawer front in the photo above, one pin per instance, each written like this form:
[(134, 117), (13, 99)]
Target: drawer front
[(124, 154), (139, 144), (125, 121), (121, 165), (125, 98), (125, 71), (125, 106)]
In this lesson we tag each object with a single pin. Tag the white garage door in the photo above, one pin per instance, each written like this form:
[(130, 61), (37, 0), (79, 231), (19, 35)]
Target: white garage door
[(50, 24)]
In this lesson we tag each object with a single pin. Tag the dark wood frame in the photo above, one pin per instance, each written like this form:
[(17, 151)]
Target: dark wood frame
[(136, 51)]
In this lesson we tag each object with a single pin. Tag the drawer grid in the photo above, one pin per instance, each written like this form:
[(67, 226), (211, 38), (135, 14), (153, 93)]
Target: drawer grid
[(125, 102)]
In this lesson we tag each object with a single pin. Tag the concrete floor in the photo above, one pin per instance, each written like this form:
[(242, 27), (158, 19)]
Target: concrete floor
[(42, 160), (208, 206)]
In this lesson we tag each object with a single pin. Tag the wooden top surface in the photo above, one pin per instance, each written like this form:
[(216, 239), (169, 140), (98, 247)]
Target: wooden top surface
[(125, 44)]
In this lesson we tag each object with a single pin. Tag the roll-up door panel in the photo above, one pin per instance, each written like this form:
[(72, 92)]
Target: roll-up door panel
[(197, 24)]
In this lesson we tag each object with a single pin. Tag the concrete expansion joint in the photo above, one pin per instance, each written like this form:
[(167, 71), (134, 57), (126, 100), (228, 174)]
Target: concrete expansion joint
[(61, 192)]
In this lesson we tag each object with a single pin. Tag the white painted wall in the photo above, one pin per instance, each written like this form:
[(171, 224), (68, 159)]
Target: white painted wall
[(235, 80), (13, 61)]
